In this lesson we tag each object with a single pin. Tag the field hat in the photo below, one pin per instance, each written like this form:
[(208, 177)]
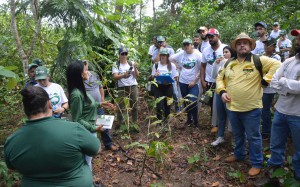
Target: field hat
[(270, 41), (245, 37), (41, 72), (213, 31), (187, 40), (295, 32), (32, 65), (160, 39), (164, 51), (261, 23)]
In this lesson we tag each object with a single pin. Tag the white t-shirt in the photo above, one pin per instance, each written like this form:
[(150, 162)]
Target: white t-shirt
[(208, 58), (190, 65), (275, 34), (130, 81), (269, 89), (56, 94), (284, 44), (259, 49), (163, 70), (151, 50), (204, 45)]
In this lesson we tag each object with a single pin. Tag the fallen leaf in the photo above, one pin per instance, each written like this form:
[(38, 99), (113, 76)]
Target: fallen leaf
[(113, 164), (115, 181), (118, 159), (218, 157), (129, 162), (215, 184)]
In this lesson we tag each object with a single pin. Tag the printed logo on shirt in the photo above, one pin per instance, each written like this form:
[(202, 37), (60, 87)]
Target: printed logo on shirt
[(188, 64), (54, 99)]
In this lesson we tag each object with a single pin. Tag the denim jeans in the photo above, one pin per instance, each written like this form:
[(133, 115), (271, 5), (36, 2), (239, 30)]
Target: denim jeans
[(88, 159), (282, 126), (247, 124), (221, 114), (105, 136), (266, 113), (192, 110)]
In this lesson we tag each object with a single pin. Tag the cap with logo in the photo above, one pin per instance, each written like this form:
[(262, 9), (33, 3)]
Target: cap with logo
[(164, 51), (32, 65), (261, 23), (187, 41), (213, 31), (38, 62), (123, 49), (41, 72), (160, 38), (275, 23)]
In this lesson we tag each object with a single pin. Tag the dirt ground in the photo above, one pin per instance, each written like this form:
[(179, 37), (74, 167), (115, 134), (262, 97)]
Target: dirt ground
[(124, 167)]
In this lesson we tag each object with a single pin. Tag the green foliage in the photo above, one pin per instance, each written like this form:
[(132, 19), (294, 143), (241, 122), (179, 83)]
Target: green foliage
[(286, 177), (7, 177), (197, 160), (237, 175)]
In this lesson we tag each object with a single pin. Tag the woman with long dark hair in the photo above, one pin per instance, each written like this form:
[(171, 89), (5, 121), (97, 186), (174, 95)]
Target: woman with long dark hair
[(83, 106), (163, 68)]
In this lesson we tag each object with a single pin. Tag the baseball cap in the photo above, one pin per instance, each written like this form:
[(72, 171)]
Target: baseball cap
[(213, 31), (38, 62), (283, 32), (123, 49), (202, 28), (164, 51), (295, 32), (32, 65), (187, 40), (261, 23), (160, 39), (41, 72), (275, 23), (270, 41)]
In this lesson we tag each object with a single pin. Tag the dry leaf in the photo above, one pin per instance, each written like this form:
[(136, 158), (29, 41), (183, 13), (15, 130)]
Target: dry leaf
[(115, 181), (218, 157), (129, 162), (118, 159), (215, 184)]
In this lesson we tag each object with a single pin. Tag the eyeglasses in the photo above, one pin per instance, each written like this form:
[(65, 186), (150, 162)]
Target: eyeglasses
[(186, 44), (210, 36), (124, 54)]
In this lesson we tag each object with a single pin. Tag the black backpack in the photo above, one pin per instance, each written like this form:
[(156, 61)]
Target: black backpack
[(256, 60)]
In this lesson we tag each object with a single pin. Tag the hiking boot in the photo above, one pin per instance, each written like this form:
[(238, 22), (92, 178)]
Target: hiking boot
[(214, 130), (112, 148), (230, 159), (254, 171), (218, 141)]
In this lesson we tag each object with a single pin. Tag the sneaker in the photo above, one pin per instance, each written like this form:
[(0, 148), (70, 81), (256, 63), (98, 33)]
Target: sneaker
[(214, 130), (218, 141)]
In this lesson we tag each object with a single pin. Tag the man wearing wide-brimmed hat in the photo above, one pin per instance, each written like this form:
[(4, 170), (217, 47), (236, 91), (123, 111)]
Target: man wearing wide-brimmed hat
[(240, 85), (286, 82)]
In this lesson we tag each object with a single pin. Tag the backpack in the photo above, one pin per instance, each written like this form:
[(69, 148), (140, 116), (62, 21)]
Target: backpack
[(256, 60)]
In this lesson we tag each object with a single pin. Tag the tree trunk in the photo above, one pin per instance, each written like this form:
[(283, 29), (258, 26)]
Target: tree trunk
[(154, 14), (18, 42)]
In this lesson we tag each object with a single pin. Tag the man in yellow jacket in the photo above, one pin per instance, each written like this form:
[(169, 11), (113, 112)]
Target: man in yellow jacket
[(240, 84)]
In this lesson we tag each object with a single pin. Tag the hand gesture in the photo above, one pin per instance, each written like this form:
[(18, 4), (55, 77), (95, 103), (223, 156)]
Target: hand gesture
[(226, 98), (99, 128)]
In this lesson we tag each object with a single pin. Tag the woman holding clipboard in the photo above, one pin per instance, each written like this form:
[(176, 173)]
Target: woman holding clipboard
[(165, 74)]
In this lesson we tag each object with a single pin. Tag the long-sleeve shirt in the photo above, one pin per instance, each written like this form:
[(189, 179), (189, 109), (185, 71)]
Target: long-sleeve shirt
[(242, 82), (286, 82), (82, 111)]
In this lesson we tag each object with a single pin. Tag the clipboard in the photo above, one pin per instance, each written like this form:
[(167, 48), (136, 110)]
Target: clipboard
[(164, 79), (105, 120)]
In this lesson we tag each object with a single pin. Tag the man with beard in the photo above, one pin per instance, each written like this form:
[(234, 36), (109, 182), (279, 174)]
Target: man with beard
[(209, 56), (196, 42), (261, 30), (286, 82), (239, 84), (203, 34)]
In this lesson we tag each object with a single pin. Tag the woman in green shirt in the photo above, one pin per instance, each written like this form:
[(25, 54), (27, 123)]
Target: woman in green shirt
[(83, 106)]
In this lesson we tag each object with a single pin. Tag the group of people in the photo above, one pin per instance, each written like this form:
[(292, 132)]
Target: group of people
[(59, 152)]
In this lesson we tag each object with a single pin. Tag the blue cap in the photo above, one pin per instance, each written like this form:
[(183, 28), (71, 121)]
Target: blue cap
[(261, 23), (123, 49)]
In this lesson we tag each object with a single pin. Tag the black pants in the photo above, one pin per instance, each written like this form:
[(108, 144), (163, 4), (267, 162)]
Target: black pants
[(162, 106), (211, 85)]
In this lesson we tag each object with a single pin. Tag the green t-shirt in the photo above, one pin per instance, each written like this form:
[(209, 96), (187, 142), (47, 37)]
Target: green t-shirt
[(50, 152), (84, 112)]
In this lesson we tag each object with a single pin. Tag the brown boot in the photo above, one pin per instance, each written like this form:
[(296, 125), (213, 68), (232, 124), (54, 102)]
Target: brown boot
[(230, 159), (112, 147), (214, 130), (254, 171)]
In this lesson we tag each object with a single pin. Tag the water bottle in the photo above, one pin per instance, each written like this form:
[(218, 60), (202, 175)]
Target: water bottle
[(55, 115)]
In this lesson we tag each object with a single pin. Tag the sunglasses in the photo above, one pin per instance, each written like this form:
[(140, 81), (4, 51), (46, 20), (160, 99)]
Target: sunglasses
[(186, 44), (124, 54)]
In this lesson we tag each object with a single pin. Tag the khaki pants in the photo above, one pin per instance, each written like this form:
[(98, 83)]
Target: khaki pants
[(130, 92)]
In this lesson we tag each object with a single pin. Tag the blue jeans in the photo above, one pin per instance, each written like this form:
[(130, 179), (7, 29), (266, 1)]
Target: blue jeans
[(282, 126), (192, 110), (105, 136), (266, 113), (247, 124), (221, 114)]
